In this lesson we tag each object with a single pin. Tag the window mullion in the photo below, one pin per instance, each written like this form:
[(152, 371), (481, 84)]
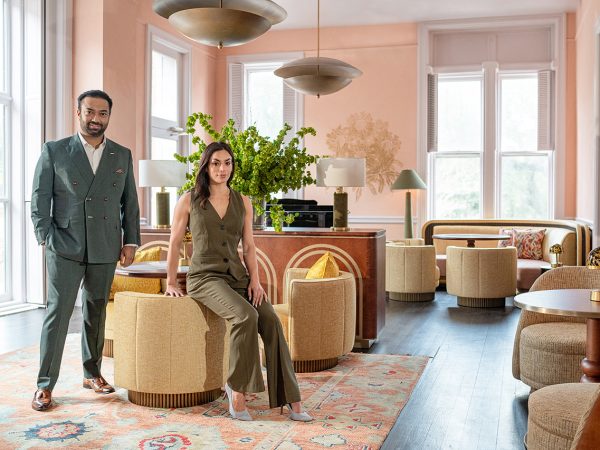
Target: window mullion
[(489, 158)]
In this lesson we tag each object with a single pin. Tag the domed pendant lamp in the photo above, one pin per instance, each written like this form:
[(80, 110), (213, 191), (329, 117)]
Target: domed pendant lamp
[(221, 23), (317, 76)]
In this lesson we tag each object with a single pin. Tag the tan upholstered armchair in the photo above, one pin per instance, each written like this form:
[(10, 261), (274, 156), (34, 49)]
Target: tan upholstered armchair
[(410, 272), (548, 349), (170, 352), (481, 277), (318, 318), (564, 417)]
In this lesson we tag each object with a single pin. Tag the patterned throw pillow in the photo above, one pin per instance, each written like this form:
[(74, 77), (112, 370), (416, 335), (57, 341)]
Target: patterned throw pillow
[(529, 243), (510, 242), (134, 284), (325, 267)]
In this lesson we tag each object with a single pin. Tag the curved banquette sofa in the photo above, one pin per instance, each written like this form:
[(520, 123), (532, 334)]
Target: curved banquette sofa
[(574, 237)]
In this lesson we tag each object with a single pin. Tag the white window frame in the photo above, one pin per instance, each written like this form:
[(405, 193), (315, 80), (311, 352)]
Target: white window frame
[(160, 40), (557, 23), (25, 258), (238, 68)]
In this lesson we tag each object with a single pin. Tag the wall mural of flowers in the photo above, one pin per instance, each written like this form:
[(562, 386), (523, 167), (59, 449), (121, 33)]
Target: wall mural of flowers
[(364, 137)]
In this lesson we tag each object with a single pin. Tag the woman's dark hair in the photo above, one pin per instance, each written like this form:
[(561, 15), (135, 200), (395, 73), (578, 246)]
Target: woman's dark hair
[(95, 93), (201, 188)]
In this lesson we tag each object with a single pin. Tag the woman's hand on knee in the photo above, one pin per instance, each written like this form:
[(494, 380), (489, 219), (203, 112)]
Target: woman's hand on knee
[(256, 293), (173, 291)]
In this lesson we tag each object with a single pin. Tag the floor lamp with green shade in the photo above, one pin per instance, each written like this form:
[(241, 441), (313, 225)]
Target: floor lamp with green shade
[(408, 179)]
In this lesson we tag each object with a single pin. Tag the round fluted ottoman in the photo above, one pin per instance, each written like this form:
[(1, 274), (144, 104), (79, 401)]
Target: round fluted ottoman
[(555, 413), (169, 352), (551, 353)]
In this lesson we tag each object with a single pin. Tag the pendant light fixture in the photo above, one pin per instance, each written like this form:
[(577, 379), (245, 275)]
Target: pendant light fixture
[(317, 76), (221, 23)]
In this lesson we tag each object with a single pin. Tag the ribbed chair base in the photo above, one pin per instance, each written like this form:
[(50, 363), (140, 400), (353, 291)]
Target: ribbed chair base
[(314, 365), (173, 400), (474, 302), (108, 348), (412, 296)]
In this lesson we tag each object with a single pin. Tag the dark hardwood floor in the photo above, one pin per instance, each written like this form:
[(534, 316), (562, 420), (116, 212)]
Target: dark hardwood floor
[(466, 398)]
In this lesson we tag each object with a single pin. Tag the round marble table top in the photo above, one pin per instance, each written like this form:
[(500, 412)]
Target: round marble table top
[(561, 302), (150, 269)]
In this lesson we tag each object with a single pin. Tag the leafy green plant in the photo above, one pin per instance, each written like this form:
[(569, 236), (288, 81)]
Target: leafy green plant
[(264, 166)]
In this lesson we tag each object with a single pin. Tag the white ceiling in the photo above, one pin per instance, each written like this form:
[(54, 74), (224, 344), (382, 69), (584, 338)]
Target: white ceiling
[(335, 13)]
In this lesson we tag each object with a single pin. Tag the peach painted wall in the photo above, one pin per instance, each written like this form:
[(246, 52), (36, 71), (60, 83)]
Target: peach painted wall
[(110, 45), (88, 47), (587, 17), (377, 111)]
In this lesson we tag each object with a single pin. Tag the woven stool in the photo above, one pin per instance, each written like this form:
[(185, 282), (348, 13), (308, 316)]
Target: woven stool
[(551, 353), (555, 413), (170, 352)]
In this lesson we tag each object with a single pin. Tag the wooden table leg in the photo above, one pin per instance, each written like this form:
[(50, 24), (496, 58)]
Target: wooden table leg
[(590, 365), (182, 284)]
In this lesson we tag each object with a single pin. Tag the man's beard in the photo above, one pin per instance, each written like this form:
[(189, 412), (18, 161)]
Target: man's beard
[(94, 132)]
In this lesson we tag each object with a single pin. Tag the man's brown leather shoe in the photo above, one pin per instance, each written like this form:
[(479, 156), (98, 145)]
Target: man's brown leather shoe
[(42, 400), (98, 384)]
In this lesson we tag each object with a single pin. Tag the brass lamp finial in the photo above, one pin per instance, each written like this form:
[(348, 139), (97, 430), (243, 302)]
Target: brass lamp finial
[(593, 259), (593, 262), (185, 261), (556, 251)]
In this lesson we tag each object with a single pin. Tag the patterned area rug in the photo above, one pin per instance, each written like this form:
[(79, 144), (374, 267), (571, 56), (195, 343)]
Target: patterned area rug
[(354, 406)]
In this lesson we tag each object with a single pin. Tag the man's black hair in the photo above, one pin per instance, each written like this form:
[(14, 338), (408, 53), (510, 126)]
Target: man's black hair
[(96, 93)]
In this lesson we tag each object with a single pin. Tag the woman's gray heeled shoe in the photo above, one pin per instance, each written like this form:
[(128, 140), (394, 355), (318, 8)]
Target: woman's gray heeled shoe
[(299, 417), (239, 415)]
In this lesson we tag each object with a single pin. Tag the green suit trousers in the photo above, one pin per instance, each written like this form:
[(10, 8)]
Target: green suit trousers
[(64, 278), (247, 322)]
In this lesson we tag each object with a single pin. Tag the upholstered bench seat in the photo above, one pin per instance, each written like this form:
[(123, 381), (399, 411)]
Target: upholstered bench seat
[(555, 414), (551, 353), (528, 270)]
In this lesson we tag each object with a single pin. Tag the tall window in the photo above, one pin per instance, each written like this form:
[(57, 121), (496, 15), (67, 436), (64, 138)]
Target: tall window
[(525, 172), (169, 105), (258, 97), (490, 118), (457, 165), (21, 131), (520, 174)]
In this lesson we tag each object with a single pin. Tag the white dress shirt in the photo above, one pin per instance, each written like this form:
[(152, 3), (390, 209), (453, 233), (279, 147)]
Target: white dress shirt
[(93, 154)]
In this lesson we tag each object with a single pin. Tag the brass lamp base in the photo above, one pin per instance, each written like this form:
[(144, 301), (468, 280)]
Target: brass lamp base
[(340, 210), (595, 295), (162, 209)]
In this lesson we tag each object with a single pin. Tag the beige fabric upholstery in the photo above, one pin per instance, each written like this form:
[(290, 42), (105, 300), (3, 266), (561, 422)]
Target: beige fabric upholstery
[(319, 318), (410, 272), (539, 363), (407, 241), (109, 323), (168, 349), (481, 277), (558, 416)]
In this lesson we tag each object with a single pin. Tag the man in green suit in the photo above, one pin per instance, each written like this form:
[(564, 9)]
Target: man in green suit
[(85, 212)]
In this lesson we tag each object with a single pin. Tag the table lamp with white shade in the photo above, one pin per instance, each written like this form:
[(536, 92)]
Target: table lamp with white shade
[(408, 179), (162, 174), (340, 173)]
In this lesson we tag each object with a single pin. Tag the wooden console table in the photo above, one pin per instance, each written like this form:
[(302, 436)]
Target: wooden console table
[(358, 251)]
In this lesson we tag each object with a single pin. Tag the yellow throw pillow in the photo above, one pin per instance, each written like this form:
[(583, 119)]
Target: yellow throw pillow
[(136, 284), (325, 267)]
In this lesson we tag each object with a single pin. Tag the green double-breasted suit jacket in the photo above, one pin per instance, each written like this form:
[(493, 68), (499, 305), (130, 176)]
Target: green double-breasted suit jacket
[(81, 216)]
